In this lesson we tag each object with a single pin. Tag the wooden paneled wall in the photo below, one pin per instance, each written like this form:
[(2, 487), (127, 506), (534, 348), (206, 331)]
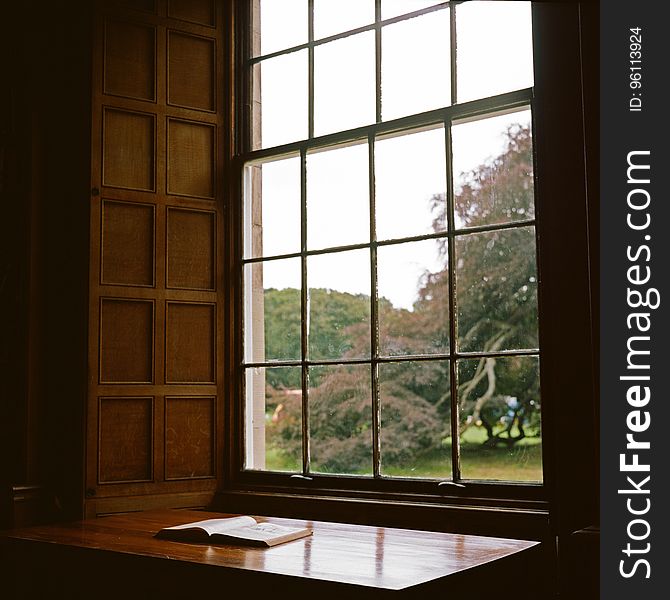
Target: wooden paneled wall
[(154, 411)]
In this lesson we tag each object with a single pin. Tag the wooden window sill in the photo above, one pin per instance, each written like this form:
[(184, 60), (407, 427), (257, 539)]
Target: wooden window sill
[(527, 520), (118, 554)]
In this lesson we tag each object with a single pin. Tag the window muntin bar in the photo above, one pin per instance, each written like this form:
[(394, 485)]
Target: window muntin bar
[(398, 8), (324, 40), (474, 110)]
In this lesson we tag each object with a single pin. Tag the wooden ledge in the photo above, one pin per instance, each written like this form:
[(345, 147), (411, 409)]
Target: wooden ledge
[(355, 558)]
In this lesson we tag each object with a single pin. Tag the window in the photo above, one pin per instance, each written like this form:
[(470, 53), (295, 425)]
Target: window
[(390, 296)]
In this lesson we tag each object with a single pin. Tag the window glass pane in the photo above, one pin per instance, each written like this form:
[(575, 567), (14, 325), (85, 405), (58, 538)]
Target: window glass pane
[(344, 83), (493, 170), (413, 285), (338, 190), (410, 184), (496, 290), (283, 24), (272, 208), (340, 419), (339, 305), (415, 65), (335, 16), (495, 48), (272, 310), (394, 8), (280, 100), (499, 400), (415, 431), (274, 419)]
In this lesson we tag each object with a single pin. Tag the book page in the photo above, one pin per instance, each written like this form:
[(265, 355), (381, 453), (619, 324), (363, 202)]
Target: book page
[(262, 532), (212, 526)]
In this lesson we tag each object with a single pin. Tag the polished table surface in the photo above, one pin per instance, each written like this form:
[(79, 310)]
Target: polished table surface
[(373, 557)]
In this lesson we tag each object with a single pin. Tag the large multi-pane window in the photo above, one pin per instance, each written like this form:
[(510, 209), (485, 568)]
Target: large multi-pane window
[(389, 256)]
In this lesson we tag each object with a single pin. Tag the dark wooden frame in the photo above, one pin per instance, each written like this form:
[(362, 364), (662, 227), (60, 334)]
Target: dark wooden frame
[(565, 306)]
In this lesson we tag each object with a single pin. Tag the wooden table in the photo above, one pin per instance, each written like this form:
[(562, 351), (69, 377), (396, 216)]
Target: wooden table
[(118, 557)]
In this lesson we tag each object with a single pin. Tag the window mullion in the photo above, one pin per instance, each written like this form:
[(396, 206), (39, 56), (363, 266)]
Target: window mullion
[(453, 374), (310, 76), (378, 61), (374, 316), (452, 53), (304, 295), (304, 313), (480, 108)]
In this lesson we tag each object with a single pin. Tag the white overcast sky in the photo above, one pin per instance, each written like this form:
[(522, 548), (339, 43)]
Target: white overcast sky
[(494, 56)]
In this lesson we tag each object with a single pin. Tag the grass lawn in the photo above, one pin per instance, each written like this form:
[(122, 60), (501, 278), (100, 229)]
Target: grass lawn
[(523, 462)]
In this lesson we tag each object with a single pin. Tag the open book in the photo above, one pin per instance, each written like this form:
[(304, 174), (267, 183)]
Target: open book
[(233, 530)]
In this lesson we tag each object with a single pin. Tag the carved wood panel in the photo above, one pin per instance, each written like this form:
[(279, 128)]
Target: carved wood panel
[(127, 254), (195, 11), (125, 439), (191, 249), (191, 159), (189, 437), (143, 5), (191, 73), (129, 60), (126, 340), (128, 159), (155, 311), (190, 343)]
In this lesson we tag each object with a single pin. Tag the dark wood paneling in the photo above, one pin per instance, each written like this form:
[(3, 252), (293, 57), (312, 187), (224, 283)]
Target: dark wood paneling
[(191, 249), (51, 237), (191, 72), (143, 5), (190, 349), (128, 153), (189, 437), (191, 159), (125, 439), (126, 341), (130, 60), (194, 11), (127, 243), (199, 500), (155, 309), (30, 505), (580, 565)]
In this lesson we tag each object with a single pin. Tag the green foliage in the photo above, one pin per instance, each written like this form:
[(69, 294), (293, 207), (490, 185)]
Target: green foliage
[(333, 332), (341, 413)]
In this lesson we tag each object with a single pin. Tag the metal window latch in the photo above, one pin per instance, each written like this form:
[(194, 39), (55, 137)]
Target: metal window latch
[(451, 483)]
